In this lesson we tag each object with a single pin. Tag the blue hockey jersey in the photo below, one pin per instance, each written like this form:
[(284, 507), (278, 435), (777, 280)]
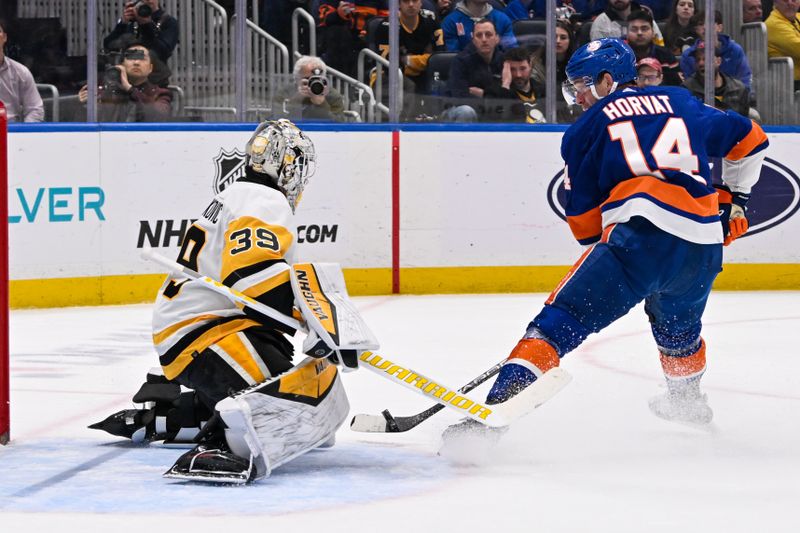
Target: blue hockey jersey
[(645, 152)]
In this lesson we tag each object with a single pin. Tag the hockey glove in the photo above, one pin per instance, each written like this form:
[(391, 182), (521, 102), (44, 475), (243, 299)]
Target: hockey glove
[(316, 347), (732, 213)]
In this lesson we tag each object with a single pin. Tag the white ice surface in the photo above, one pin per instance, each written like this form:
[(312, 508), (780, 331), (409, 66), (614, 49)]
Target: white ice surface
[(591, 460)]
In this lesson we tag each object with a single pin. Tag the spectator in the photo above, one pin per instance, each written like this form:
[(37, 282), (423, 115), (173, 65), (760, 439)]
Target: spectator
[(420, 36), (752, 11), (650, 72), (729, 93), (734, 60), (127, 94), (783, 34), (582, 9), (660, 9), (310, 96), (475, 69), (458, 25), (17, 87), (766, 8), (565, 45), (439, 8), (276, 18), (520, 9), (442, 8), (641, 40), (342, 26), (519, 88), (145, 22), (679, 33), (613, 21)]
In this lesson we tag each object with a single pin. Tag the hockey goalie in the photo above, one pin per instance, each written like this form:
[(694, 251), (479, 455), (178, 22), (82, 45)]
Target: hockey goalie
[(227, 383)]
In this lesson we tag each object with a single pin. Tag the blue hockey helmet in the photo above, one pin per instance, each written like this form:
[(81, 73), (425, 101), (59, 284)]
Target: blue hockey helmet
[(596, 57)]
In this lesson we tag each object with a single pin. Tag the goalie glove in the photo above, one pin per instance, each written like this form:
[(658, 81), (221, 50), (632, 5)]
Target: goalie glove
[(317, 347), (732, 213)]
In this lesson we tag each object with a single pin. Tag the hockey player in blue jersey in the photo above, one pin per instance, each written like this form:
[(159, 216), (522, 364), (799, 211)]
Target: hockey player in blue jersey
[(640, 197)]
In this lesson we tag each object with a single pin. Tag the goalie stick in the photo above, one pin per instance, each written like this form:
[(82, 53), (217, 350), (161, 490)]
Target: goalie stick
[(495, 415)]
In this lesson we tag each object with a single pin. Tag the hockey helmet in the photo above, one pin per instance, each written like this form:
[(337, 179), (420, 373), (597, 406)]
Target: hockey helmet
[(591, 60), (283, 152)]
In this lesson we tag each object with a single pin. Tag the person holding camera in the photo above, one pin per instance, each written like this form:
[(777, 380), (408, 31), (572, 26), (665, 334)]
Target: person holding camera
[(145, 21), (310, 97), (127, 95), (17, 87)]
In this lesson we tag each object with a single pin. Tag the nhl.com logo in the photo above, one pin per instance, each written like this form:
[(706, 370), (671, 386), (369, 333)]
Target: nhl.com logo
[(228, 167), (775, 198)]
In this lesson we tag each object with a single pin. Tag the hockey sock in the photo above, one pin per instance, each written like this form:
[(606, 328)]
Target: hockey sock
[(682, 365), (529, 359)]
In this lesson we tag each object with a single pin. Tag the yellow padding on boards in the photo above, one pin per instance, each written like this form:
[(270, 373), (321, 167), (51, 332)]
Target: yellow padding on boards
[(142, 288), (476, 280), (473, 280), (98, 290), (111, 290)]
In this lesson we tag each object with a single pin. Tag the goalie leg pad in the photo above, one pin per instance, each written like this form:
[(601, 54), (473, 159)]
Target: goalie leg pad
[(279, 420)]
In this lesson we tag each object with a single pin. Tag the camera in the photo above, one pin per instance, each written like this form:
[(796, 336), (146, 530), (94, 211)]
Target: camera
[(134, 54), (143, 10), (112, 79), (317, 82)]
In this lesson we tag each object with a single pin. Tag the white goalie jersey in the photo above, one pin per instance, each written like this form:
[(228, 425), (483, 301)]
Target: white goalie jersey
[(244, 239)]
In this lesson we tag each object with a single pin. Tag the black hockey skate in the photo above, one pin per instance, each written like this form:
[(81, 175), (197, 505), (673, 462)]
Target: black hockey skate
[(211, 463)]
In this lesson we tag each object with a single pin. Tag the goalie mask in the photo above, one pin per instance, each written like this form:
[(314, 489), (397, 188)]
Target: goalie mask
[(284, 153)]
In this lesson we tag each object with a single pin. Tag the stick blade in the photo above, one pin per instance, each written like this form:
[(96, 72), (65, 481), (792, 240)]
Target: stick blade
[(364, 423), (535, 395)]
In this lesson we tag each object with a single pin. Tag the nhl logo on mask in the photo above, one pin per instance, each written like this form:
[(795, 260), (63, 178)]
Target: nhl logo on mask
[(228, 167)]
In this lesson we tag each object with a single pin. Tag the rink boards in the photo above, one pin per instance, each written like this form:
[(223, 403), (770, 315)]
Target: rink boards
[(429, 209)]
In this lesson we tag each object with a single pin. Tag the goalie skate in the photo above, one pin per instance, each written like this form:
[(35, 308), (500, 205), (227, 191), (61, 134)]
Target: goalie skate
[(212, 464)]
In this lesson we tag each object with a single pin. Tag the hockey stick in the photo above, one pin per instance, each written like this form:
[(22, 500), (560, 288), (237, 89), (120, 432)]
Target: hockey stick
[(233, 294), (387, 423), (496, 415)]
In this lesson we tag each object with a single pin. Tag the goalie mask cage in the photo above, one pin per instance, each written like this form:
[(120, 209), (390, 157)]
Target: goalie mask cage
[(5, 421)]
